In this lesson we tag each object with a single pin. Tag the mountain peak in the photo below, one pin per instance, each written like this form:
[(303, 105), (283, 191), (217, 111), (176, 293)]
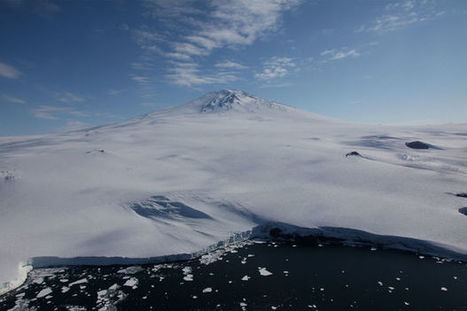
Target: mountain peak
[(227, 100)]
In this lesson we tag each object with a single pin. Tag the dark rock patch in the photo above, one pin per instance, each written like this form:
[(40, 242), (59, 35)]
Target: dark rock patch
[(463, 211), (353, 154), (421, 145), (97, 150), (462, 194), (417, 145)]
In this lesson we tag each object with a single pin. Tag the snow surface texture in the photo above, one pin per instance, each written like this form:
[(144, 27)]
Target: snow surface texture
[(178, 180)]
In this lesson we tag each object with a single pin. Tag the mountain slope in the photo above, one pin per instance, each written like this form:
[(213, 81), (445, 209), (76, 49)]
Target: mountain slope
[(178, 180)]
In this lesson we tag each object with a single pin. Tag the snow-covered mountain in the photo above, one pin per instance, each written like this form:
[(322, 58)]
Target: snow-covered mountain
[(178, 180), (233, 101)]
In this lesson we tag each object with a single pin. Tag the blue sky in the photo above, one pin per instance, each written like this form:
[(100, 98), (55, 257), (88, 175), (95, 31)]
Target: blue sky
[(72, 64)]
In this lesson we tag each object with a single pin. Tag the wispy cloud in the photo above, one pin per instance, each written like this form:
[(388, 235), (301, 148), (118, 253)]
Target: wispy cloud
[(205, 27), (148, 41), (230, 65), (190, 74), (140, 79), (114, 92), (12, 99), (8, 71), (334, 54), (73, 125), (68, 97), (276, 67), (53, 112), (401, 14)]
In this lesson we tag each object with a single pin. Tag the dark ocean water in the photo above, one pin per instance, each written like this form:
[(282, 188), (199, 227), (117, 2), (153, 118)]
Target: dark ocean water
[(252, 276)]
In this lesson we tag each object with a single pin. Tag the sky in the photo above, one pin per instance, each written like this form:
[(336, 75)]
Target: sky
[(66, 65)]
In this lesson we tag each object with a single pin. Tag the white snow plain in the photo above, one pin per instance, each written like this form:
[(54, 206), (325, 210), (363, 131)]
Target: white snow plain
[(181, 179)]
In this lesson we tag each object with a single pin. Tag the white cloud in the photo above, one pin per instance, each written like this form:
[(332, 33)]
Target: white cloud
[(148, 41), (189, 49), (170, 9), (219, 24), (401, 14), (140, 79), (9, 72), (334, 54), (326, 52), (113, 92), (68, 97), (179, 56), (12, 99), (228, 64), (189, 74), (276, 67), (53, 112), (72, 125)]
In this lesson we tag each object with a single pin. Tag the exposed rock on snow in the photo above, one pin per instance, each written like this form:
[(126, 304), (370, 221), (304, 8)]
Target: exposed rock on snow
[(353, 154), (463, 210), (419, 145)]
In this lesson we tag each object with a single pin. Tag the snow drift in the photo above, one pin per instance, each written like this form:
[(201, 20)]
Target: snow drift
[(178, 180)]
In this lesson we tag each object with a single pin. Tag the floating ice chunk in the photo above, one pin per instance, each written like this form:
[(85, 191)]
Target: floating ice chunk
[(38, 281), (264, 272), (65, 289), (187, 274), (102, 293), (444, 289), (44, 292), (207, 290), (131, 282), (82, 281), (246, 278), (130, 270)]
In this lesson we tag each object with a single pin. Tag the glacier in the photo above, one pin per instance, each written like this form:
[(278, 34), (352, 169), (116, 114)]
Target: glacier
[(179, 180)]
